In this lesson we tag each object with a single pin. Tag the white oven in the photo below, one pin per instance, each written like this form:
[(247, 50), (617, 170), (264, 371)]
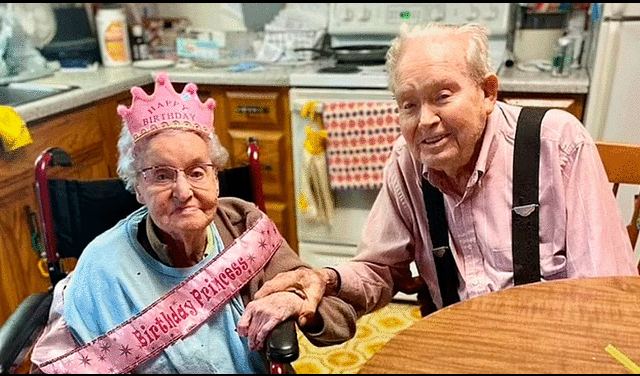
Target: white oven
[(322, 244)]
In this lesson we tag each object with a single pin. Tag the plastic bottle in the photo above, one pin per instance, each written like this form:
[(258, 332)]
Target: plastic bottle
[(113, 37), (139, 48)]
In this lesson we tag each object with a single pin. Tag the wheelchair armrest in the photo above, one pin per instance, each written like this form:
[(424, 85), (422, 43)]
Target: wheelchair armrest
[(22, 328), (282, 342)]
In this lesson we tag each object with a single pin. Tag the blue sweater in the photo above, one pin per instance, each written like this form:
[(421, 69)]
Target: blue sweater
[(115, 278)]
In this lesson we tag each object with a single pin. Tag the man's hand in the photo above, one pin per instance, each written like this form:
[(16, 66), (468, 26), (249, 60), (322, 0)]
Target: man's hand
[(309, 284), (262, 315)]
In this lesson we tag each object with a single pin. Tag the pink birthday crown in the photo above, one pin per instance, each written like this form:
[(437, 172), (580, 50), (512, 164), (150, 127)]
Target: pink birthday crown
[(166, 109)]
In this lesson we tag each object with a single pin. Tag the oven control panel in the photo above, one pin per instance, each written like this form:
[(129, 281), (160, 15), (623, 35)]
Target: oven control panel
[(386, 18)]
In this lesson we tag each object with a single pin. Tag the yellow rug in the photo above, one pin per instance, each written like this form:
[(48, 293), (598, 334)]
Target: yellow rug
[(373, 331)]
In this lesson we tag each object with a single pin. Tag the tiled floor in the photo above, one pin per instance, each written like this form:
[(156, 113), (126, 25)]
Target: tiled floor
[(373, 331)]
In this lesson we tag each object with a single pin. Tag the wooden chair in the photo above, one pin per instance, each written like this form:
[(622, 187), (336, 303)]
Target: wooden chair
[(622, 164)]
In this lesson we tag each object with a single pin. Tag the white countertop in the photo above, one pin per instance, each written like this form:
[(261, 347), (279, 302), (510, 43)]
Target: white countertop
[(514, 79), (106, 82)]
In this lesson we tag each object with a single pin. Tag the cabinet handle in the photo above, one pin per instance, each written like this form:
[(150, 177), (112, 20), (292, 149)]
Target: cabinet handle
[(252, 110)]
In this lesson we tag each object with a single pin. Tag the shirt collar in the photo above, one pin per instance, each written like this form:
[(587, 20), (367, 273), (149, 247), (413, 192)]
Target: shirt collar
[(487, 151), (162, 250)]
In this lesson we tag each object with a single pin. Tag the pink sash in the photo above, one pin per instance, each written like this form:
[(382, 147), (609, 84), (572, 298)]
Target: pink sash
[(178, 312)]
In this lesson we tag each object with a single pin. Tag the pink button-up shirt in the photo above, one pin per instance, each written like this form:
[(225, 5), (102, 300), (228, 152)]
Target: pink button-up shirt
[(581, 231)]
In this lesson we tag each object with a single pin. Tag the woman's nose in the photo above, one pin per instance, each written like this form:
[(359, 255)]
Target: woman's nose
[(182, 189)]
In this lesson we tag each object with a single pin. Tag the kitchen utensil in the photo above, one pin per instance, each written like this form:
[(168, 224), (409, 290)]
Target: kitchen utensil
[(355, 54)]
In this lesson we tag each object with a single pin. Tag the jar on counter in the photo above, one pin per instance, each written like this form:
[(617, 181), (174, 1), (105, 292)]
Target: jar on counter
[(111, 25), (563, 57)]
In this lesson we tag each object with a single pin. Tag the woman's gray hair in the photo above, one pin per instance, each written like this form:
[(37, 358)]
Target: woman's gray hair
[(128, 163), (477, 57)]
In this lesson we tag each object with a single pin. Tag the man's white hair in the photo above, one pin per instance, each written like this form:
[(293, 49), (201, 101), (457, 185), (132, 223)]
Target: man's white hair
[(477, 57)]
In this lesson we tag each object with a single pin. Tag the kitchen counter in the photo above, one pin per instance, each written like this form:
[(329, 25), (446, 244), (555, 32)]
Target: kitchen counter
[(514, 79), (106, 82)]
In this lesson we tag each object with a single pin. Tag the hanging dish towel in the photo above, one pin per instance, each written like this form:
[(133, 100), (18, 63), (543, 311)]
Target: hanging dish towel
[(315, 200), (360, 138), (13, 130)]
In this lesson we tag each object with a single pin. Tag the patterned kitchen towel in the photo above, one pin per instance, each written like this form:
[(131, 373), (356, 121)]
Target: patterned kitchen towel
[(13, 130), (360, 138)]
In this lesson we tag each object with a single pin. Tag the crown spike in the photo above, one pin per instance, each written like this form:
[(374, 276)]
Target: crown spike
[(165, 109)]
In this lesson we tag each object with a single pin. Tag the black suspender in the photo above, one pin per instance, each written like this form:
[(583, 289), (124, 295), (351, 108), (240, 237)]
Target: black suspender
[(439, 230), (525, 238), (525, 212)]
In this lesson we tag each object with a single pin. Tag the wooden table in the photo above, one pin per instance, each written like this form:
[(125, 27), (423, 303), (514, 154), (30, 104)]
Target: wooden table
[(547, 327)]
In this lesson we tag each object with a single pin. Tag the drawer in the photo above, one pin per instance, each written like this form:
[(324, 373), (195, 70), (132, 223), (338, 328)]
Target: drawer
[(272, 148), (572, 103), (253, 109)]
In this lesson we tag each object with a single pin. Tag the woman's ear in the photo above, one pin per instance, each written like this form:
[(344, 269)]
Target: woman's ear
[(490, 86), (139, 196)]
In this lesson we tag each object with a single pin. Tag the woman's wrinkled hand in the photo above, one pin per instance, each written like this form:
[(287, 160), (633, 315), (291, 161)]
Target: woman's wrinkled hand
[(309, 284), (262, 315)]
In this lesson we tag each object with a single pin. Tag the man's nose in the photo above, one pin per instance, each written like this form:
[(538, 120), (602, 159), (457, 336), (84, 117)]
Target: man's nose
[(428, 117)]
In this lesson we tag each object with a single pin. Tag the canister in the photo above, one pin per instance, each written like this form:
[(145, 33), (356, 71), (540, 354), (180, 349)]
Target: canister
[(111, 25)]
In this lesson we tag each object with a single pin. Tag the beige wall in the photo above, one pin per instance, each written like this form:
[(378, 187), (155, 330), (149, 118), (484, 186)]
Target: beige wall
[(215, 16)]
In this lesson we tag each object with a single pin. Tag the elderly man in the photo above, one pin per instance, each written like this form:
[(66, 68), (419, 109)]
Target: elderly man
[(458, 137)]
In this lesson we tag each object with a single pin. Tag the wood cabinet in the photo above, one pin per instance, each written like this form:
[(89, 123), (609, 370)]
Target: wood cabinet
[(262, 113), (572, 103), (88, 135)]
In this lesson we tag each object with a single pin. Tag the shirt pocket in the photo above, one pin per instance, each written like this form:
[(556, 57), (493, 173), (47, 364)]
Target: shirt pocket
[(501, 260), (552, 266)]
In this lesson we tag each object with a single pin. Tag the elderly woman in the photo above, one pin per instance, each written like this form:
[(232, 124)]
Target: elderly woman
[(163, 290)]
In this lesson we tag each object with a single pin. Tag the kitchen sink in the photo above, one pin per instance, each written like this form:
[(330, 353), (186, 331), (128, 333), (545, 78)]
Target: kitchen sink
[(15, 94)]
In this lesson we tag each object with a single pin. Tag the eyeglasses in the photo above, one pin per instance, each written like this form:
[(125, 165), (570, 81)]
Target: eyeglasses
[(163, 176)]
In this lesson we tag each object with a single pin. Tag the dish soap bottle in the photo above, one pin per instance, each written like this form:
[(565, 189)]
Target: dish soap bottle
[(111, 25)]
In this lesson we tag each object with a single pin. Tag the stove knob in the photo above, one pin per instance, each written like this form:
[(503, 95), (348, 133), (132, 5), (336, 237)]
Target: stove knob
[(437, 14), (348, 15), (474, 12), (366, 15), (491, 14)]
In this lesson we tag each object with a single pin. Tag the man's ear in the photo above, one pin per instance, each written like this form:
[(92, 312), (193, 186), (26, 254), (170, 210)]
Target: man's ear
[(490, 85)]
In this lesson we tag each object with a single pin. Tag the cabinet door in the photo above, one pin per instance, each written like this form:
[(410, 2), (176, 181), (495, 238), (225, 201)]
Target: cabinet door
[(79, 134), (271, 145), (19, 274)]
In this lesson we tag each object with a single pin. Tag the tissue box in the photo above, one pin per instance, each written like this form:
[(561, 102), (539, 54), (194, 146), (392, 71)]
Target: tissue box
[(198, 49)]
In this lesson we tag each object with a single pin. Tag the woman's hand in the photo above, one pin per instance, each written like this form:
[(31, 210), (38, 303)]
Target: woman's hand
[(310, 284), (262, 315)]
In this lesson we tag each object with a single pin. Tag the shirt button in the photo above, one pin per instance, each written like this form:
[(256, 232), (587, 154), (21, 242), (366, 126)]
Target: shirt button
[(475, 282)]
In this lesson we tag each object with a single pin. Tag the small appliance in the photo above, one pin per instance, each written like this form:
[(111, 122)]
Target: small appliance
[(74, 44)]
